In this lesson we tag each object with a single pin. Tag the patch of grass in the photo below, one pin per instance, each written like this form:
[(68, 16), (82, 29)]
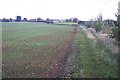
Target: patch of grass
[(38, 44), (67, 23), (93, 60)]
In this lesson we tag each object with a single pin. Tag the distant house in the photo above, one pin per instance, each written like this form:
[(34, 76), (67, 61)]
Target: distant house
[(63, 20), (40, 20), (55, 20), (49, 20), (32, 20)]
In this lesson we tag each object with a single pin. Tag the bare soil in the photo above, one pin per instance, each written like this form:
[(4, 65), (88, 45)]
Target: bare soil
[(29, 67), (56, 68)]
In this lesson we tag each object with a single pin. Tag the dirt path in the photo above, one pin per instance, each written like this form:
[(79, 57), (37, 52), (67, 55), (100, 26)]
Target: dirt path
[(56, 68), (108, 42), (88, 33)]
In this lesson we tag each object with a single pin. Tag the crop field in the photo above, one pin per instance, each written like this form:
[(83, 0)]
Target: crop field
[(66, 23), (40, 50)]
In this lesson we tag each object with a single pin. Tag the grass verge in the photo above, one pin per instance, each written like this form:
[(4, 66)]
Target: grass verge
[(91, 59)]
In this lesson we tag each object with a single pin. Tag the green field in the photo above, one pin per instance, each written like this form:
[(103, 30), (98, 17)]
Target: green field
[(70, 23), (47, 50)]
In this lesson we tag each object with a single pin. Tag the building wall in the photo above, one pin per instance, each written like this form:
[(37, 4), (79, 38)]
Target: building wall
[(18, 18)]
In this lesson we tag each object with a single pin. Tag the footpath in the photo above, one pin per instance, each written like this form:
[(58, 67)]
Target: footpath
[(103, 37)]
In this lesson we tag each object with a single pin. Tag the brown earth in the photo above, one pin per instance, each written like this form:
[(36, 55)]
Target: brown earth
[(56, 68), (40, 65)]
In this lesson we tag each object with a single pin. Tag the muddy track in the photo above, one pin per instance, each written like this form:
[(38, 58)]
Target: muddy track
[(57, 66)]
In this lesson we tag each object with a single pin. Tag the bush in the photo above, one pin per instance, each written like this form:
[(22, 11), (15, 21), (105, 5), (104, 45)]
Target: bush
[(99, 26), (115, 33)]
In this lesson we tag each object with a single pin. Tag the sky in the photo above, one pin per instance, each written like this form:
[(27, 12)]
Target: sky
[(58, 9)]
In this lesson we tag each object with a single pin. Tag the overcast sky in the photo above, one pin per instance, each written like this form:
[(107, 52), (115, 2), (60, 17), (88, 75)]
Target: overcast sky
[(61, 9)]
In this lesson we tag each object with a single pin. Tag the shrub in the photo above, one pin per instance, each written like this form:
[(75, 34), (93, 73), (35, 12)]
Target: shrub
[(115, 33)]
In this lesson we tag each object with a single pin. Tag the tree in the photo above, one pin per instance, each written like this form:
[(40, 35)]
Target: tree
[(99, 25), (39, 19), (118, 20), (11, 20), (68, 20), (4, 20), (49, 20), (116, 30), (75, 20), (25, 19)]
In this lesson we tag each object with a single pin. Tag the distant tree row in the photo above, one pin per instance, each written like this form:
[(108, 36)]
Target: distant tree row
[(72, 20)]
